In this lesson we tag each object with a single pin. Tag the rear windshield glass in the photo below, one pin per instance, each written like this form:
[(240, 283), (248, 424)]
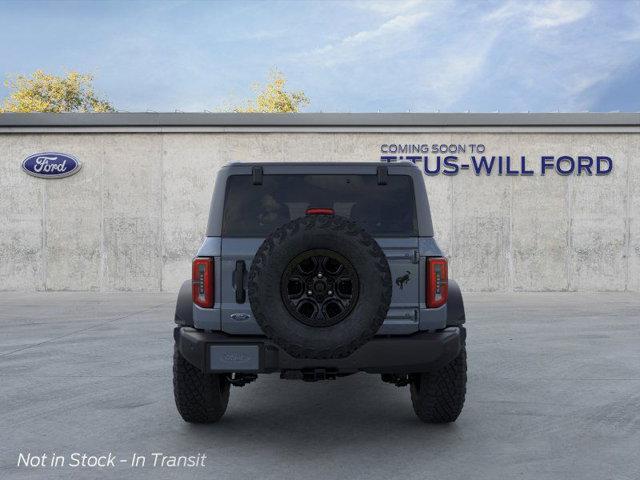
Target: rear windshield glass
[(256, 210)]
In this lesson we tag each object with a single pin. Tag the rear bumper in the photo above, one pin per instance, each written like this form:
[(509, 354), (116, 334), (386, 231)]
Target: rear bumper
[(217, 352)]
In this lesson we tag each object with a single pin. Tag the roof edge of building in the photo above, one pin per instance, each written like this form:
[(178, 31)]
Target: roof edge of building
[(293, 120)]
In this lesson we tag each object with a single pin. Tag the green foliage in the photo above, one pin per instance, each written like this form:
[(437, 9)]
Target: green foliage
[(273, 98), (42, 92)]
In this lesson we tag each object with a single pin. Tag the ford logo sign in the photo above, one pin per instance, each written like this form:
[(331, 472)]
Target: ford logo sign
[(51, 165)]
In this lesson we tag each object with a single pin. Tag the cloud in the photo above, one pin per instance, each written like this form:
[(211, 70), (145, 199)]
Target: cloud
[(511, 55), (456, 64), (506, 11), (388, 8), (633, 16), (457, 67), (393, 36), (561, 68), (556, 13), (541, 15), (508, 55)]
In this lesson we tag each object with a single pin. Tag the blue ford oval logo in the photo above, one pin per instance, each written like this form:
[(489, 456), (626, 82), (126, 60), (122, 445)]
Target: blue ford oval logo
[(51, 165)]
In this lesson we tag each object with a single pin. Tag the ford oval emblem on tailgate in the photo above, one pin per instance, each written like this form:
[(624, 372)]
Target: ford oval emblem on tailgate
[(51, 165)]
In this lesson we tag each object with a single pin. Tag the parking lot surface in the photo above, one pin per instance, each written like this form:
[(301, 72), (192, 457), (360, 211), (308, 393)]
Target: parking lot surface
[(553, 393)]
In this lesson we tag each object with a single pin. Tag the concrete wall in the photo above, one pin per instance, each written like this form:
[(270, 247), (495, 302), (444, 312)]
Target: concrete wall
[(134, 215)]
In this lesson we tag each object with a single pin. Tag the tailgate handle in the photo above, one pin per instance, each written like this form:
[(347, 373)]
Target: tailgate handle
[(238, 281), (413, 257)]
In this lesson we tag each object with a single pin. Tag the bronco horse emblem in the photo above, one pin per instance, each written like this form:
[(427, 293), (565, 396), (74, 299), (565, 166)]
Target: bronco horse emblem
[(400, 281)]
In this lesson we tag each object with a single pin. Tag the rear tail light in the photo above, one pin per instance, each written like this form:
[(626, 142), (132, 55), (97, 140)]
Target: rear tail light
[(320, 211), (202, 282), (437, 282)]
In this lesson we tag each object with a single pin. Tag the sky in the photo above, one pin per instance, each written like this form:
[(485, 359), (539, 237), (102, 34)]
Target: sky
[(347, 56)]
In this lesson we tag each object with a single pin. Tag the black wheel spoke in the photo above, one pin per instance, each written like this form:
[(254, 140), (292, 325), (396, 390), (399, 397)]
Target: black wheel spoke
[(307, 308), (309, 266), (297, 301), (319, 287), (344, 288), (331, 266), (332, 308), (296, 287)]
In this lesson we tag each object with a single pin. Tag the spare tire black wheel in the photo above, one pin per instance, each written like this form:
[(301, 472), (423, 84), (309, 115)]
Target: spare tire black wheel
[(320, 287)]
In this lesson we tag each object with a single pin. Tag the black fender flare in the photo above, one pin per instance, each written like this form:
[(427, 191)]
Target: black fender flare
[(455, 305), (184, 305)]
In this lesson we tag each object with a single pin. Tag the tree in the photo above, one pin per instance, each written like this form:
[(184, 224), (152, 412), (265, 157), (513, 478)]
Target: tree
[(43, 92), (273, 98)]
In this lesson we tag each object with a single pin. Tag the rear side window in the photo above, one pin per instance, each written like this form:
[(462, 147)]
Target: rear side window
[(256, 210)]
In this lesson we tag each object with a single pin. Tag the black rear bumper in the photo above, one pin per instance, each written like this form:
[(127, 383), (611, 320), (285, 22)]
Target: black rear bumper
[(420, 352)]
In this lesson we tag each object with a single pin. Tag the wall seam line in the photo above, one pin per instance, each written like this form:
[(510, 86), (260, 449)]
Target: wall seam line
[(628, 228), (161, 223), (102, 245), (569, 255), (510, 280), (45, 255), (451, 235)]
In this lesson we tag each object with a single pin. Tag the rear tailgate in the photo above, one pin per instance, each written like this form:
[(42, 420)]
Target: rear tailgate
[(401, 253), (255, 205)]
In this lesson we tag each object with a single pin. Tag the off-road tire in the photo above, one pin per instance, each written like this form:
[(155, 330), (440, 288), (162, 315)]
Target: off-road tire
[(330, 232), (438, 397), (200, 397)]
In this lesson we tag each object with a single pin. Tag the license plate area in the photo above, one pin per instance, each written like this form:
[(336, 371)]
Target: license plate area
[(234, 358)]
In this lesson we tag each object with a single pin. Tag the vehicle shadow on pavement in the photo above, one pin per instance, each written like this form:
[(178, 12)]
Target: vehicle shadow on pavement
[(355, 410)]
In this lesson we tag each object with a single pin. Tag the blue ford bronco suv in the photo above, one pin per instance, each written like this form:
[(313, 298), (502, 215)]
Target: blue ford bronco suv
[(317, 271)]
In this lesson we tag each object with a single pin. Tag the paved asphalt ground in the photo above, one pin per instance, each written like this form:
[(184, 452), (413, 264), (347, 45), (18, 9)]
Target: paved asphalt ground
[(554, 393)]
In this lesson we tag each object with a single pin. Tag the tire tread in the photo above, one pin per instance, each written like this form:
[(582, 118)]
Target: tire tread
[(438, 397), (200, 397)]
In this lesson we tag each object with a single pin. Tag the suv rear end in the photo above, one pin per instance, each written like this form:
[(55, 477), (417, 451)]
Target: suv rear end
[(231, 324)]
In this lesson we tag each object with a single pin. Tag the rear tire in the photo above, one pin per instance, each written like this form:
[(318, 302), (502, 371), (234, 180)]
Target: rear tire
[(438, 397), (200, 397)]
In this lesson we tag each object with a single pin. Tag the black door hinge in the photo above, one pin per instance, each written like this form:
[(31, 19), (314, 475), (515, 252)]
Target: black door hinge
[(256, 175), (383, 172)]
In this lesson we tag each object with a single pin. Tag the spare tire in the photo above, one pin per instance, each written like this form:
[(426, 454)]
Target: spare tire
[(320, 286)]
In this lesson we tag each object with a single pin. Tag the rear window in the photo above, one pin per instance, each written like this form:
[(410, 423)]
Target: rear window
[(256, 210)]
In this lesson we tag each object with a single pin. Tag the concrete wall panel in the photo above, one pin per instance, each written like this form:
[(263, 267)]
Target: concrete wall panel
[(632, 144), (539, 218), (22, 258), (140, 204), (481, 227), (73, 209), (598, 219), (131, 199), (308, 147), (354, 147), (252, 147)]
